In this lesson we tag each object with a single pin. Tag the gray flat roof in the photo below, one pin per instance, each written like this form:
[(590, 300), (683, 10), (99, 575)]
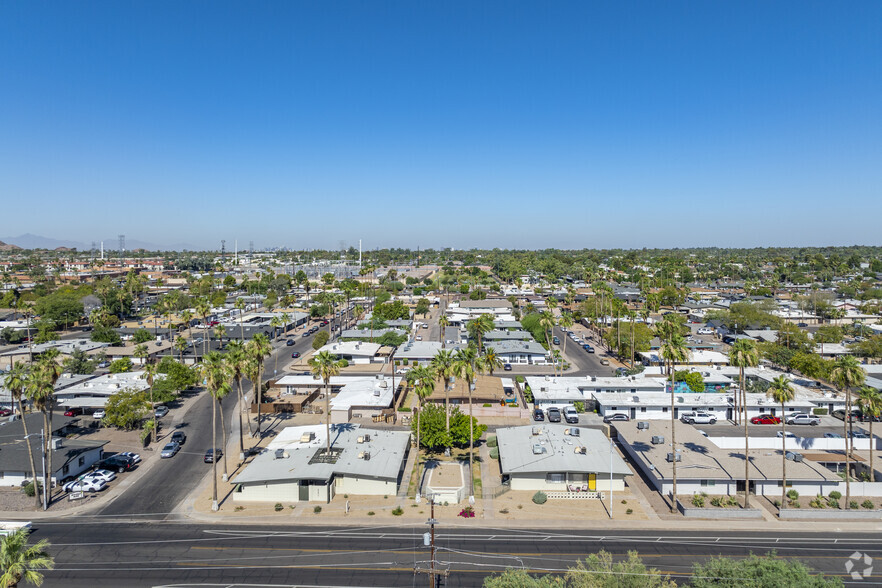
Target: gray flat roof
[(558, 451)]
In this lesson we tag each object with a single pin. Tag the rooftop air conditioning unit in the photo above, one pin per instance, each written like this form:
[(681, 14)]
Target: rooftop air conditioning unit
[(642, 424), (581, 450), (792, 456), (574, 432), (377, 392), (384, 384), (281, 454), (367, 438), (657, 440), (538, 449), (537, 431), (670, 457), (367, 456), (57, 442)]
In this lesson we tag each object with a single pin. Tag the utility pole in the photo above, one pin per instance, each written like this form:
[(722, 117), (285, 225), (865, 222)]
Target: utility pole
[(429, 541)]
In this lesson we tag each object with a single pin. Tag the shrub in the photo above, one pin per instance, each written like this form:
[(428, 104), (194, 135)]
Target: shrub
[(853, 504), (317, 510), (832, 503), (732, 501), (819, 411), (540, 497), (792, 494), (717, 501), (494, 453), (503, 511), (629, 511), (698, 500), (467, 513), (492, 441), (835, 495), (371, 513), (404, 409), (487, 405), (398, 511), (868, 504), (279, 506), (817, 502), (239, 508), (520, 379), (28, 488), (579, 406), (624, 502)]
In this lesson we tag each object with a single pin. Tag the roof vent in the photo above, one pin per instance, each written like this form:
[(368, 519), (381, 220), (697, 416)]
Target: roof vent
[(538, 449)]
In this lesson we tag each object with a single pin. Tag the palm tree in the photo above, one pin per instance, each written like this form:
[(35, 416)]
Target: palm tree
[(546, 321), (49, 371), (257, 349), (464, 366), (490, 362), (478, 327), (444, 366), (673, 350), (423, 380), (845, 375), (240, 306), (236, 360), (16, 381), (275, 323), (870, 401), (250, 369), (744, 355), (186, 317), (220, 332), (217, 376), (19, 562), (325, 366), (141, 352), (203, 309), (180, 346), (443, 323), (782, 392), (150, 372), (565, 321), (219, 397)]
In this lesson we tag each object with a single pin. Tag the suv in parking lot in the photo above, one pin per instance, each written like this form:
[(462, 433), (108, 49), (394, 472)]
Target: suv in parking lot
[(698, 418), (118, 463), (553, 414)]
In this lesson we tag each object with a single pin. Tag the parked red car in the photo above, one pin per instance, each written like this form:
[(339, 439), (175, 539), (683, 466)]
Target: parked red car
[(765, 419), (73, 412), (5, 412)]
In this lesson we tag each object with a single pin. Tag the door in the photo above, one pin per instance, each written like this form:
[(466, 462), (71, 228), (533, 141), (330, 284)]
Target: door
[(633, 412), (304, 491), (592, 482), (729, 414)]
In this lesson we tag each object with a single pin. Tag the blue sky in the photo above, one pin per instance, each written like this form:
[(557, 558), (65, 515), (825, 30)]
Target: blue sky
[(437, 124)]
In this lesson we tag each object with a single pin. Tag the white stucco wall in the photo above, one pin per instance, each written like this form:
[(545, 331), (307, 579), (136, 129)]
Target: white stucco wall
[(365, 486), (268, 492)]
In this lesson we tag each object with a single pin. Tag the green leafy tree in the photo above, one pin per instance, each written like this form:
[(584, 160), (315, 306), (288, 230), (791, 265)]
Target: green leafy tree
[(63, 307), (142, 335), (767, 571), (521, 579), (391, 311), (126, 409), (79, 362), (320, 340), (21, 562), (693, 379), (119, 366)]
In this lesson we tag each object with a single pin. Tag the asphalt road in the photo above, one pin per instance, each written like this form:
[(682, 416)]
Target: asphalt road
[(162, 488), (585, 364), (169, 554)]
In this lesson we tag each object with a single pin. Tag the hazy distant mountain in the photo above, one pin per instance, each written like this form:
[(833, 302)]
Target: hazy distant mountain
[(29, 241), (8, 247)]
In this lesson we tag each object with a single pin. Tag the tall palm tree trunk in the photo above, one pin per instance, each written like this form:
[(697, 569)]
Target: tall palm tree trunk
[(258, 395), (419, 480), (746, 448), (872, 442), (783, 458), (328, 414), (220, 407), (447, 403), (24, 424), (214, 456), (848, 444), (674, 500), (471, 444), (239, 413)]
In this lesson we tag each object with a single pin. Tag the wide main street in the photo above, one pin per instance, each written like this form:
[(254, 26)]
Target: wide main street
[(92, 553)]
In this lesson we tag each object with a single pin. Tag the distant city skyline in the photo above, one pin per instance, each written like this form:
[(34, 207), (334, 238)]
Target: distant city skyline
[(566, 125)]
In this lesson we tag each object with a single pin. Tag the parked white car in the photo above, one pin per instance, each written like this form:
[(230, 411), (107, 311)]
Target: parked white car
[(705, 331), (86, 485), (98, 414), (105, 475)]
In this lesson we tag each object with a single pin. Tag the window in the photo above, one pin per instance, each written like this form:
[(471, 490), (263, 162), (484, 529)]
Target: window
[(642, 409), (789, 484), (82, 461), (664, 409), (555, 478), (708, 483), (65, 469)]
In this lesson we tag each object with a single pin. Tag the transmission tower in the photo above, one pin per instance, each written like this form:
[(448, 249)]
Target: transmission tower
[(223, 250)]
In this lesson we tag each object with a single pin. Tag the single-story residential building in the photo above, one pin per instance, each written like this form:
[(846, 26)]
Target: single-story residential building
[(558, 458), (296, 467), (421, 352), (70, 457), (522, 352), (355, 351), (93, 393), (702, 466)]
